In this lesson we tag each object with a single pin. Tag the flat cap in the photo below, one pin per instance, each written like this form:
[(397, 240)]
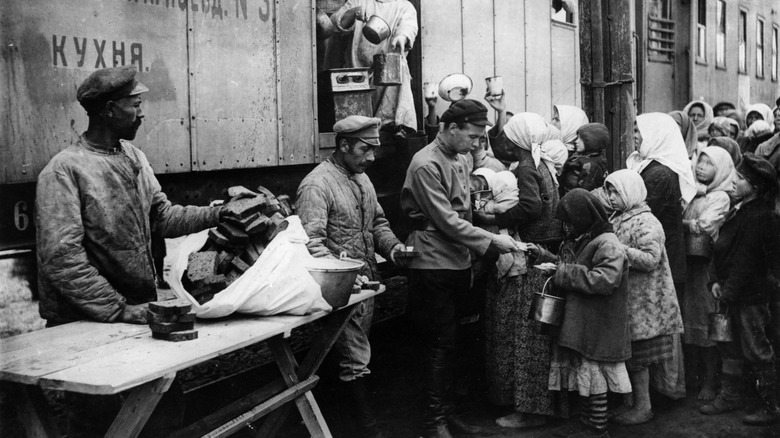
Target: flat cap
[(466, 110), (757, 171), (366, 129), (108, 84)]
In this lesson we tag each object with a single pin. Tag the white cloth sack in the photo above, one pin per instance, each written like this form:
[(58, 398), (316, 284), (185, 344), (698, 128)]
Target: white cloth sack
[(277, 283)]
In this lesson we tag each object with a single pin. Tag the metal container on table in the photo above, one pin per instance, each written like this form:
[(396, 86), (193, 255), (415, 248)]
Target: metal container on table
[(335, 277)]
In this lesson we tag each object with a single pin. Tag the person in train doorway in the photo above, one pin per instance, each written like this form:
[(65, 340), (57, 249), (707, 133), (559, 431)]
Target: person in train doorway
[(339, 210), (435, 197), (96, 204), (393, 104)]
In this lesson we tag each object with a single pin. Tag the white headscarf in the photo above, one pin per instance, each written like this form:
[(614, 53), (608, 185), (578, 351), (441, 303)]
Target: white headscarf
[(704, 125), (554, 152), (571, 119), (527, 131), (629, 185), (724, 166), (758, 128), (766, 114), (663, 142)]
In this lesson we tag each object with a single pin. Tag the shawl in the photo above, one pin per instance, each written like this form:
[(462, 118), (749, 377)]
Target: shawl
[(554, 152), (687, 130), (702, 127), (724, 174), (527, 131), (764, 111), (584, 212), (731, 146), (663, 142), (571, 119), (725, 124), (629, 185)]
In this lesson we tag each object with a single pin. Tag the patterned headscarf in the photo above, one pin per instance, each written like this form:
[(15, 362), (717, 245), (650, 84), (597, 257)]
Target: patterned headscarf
[(663, 142), (629, 185), (687, 129), (527, 131), (571, 119), (725, 124), (704, 125)]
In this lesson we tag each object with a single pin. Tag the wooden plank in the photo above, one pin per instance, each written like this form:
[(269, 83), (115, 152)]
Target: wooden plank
[(565, 80), (478, 44), (442, 49), (138, 407), (151, 359), (264, 408), (509, 47), (34, 412), (537, 50), (323, 343), (586, 57)]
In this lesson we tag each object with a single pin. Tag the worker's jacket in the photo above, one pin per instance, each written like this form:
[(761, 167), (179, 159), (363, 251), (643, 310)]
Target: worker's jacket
[(94, 213)]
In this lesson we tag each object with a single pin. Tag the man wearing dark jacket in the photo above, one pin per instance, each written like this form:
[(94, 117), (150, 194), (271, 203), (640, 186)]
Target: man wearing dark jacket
[(739, 277)]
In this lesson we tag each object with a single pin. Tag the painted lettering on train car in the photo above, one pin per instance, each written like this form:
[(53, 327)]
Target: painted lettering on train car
[(75, 51), (217, 9)]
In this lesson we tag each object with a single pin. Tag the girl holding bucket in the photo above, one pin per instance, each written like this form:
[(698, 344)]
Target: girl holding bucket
[(654, 314), (593, 343), (702, 219)]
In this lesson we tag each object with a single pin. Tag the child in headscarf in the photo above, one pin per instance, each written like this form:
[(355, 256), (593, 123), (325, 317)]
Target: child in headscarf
[(594, 339), (662, 161), (724, 127), (554, 156), (503, 187), (654, 313), (688, 131), (729, 145), (739, 277), (700, 113), (587, 167), (568, 119), (704, 216)]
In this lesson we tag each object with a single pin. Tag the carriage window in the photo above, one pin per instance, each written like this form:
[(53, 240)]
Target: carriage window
[(660, 30), (774, 53), (720, 37), (563, 11), (742, 42), (760, 48), (701, 31)]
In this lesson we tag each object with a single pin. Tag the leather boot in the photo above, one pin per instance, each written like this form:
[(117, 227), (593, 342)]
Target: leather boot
[(361, 408), (769, 412), (729, 399), (438, 385)]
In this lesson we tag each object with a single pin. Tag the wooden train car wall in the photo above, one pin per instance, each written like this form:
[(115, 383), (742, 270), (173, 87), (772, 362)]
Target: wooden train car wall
[(231, 80), (722, 50), (534, 49)]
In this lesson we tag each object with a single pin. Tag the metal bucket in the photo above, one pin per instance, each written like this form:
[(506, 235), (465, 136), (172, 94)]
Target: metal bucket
[(387, 69), (335, 277), (547, 308), (698, 245), (719, 329), (376, 29)]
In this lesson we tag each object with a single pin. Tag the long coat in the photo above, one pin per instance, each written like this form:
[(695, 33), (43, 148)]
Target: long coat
[(652, 302)]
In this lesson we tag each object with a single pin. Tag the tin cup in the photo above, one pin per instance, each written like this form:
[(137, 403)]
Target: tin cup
[(430, 90), (495, 86)]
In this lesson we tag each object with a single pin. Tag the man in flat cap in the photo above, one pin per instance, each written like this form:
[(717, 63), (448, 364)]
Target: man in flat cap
[(96, 204), (339, 210), (435, 196), (739, 276)]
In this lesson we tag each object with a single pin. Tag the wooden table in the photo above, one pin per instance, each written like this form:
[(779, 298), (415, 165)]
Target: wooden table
[(99, 358)]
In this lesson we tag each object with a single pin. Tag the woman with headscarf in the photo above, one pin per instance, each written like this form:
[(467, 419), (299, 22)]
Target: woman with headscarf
[(729, 145), (700, 113), (654, 313), (760, 127), (662, 160), (517, 355), (770, 149), (594, 339), (568, 120), (703, 217), (688, 131), (724, 127), (554, 156)]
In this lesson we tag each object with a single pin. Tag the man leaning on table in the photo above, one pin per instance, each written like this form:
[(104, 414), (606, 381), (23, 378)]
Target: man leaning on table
[(96, 204), (338, 207)]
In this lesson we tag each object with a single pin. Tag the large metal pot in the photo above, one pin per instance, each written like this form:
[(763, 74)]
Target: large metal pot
[(336, 277), (376, 29), (547, 308)]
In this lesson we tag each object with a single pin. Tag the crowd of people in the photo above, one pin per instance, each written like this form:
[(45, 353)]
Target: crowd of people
[(643, 256)]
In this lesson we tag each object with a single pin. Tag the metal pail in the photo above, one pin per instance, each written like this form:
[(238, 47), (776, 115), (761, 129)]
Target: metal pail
[(376, 29), (698, 245), (547, 308), (387, 69), (719, 329)]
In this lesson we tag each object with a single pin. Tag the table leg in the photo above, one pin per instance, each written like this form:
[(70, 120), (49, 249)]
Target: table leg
[(138, 407), (35, 412), (319, 349)]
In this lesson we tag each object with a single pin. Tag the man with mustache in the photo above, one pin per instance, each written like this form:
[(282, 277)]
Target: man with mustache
[(338, 207)]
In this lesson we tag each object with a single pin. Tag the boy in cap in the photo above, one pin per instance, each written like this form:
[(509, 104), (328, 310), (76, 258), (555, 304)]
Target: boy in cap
[(339, 210), (739, 277), (96, 204), (435, 196)]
